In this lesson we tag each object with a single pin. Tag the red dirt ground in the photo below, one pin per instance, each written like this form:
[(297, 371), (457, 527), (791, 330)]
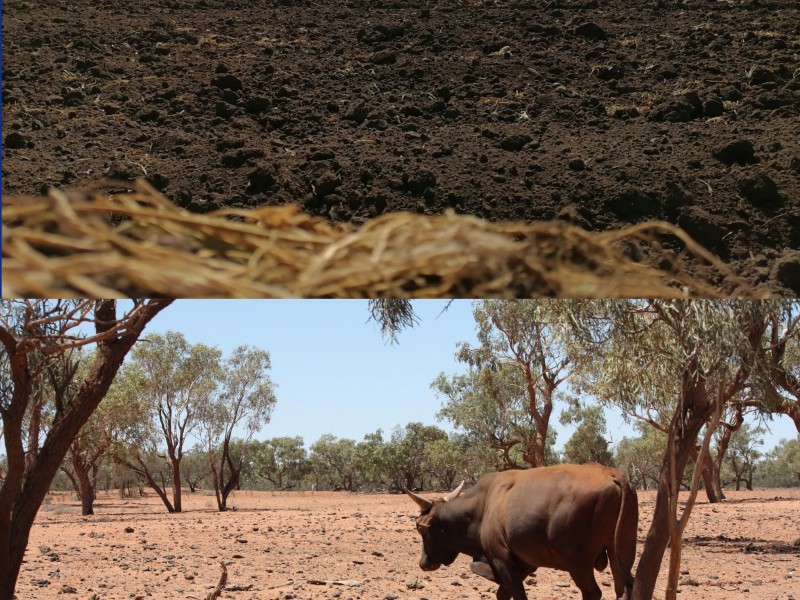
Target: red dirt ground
[(599, 112), (303, 545)]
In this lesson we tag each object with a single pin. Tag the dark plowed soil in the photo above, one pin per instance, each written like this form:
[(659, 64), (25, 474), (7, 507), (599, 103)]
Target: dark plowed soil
[(601, 112)]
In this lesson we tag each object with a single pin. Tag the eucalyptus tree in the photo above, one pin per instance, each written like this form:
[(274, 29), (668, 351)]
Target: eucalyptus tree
[(242, 405), (115, 414), (334, 464), (393, 315), (588, 443), (781, 465), (35, 336), (175, 379), (488, 404), (280, 460), (459, 457), (513, 377), (139, 444), (673, 362), (195, 468), (371, 456), (641, 457), (408, 454), (782, 350), (731, 420), (743, 454)]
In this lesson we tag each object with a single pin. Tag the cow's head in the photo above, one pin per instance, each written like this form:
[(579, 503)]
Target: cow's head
[(438, 548)]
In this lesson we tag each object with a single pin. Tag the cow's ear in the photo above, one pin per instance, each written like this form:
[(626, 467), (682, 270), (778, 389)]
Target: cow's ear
[(425, 521)]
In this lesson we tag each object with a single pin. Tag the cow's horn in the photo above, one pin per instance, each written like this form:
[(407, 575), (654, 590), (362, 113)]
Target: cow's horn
[(454, 493), (423, 503)]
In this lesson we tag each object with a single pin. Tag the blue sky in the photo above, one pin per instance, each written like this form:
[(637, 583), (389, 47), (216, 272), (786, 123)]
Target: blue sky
[(336, 374)]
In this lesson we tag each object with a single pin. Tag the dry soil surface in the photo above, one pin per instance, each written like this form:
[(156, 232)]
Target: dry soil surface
[(303, 545), (598, 112)]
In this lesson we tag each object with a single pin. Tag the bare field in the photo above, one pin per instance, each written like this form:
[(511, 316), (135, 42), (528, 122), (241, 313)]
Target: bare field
[(306, 545), (599, 113)]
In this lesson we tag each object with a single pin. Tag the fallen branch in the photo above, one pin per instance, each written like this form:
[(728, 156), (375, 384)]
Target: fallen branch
[(280, 585), (347, 582), (222, 581)]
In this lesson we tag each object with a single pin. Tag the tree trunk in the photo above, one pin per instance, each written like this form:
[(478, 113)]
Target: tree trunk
[(176, 483), (693, 413), (144, 472), (87, 499), (709, 478), (86, 489)]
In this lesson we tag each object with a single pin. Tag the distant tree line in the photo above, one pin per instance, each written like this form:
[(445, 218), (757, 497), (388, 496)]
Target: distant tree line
[(426, 457)]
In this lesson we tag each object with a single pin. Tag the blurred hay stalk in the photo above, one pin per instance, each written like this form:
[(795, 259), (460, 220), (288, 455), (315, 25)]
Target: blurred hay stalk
[(138, 244)]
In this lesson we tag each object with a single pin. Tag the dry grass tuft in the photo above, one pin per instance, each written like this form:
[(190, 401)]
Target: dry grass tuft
[(136, 244)]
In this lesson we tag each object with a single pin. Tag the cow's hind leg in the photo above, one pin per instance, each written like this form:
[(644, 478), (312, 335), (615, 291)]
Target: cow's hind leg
[(584, 579), (623, 580)]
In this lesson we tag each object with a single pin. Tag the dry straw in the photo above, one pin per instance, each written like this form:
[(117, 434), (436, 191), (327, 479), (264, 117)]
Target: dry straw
[(137, 244)]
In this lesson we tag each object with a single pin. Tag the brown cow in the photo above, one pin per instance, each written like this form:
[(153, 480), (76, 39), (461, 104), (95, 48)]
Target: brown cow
[(568, 517)]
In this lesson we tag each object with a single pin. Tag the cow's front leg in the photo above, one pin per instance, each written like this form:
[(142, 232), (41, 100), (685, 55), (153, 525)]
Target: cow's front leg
[(510, 580)]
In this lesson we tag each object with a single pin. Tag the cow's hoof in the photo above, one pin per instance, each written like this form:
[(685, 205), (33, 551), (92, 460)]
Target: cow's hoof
[(481, 568)]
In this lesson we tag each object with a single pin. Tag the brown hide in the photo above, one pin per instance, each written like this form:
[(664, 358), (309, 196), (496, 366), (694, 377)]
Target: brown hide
[(568, 517)]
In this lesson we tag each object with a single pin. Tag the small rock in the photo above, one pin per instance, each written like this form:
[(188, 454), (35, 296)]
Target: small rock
[(129, 530), (414, 584), (634, 204), (703, 227), (420, 182), (257, 104), (67, 589)]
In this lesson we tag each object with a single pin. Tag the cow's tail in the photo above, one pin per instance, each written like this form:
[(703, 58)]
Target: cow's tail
[(625, 539)]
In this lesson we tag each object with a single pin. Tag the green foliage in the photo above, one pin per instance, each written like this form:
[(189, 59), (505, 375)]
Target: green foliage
[(781, 465), (641, 457), (588, 443), (393, 315), (508, 393), (408, 451), (333, 463), (281, 461)]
